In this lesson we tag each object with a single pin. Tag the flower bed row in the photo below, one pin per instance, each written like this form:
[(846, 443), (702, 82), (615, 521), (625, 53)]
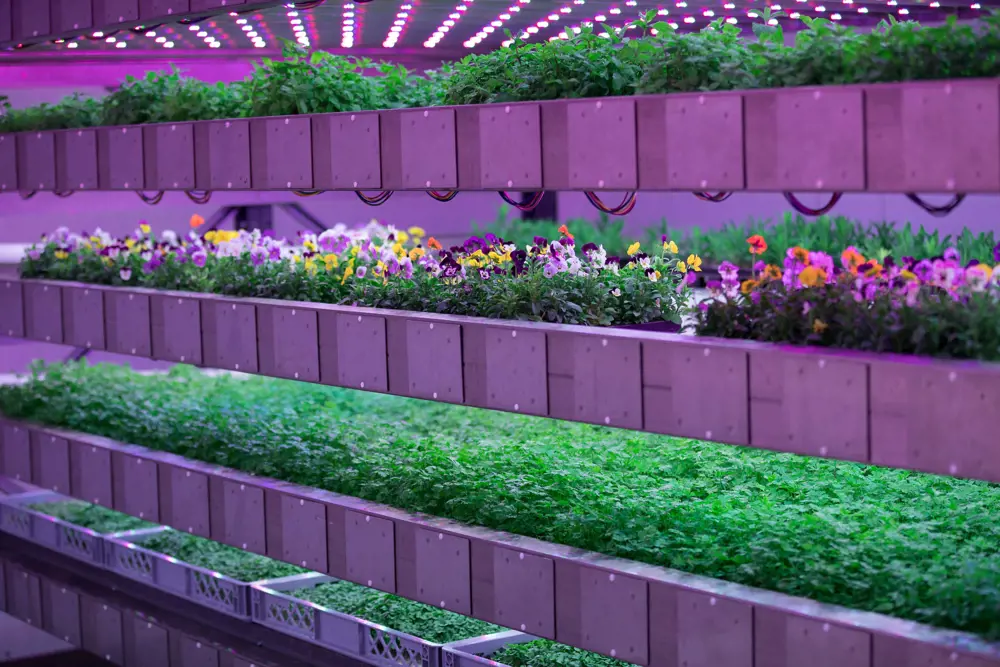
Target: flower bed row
[(748, 517), (879, 409), (827, 234), (25, 22)]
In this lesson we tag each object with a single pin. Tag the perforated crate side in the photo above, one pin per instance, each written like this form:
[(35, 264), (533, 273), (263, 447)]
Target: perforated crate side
[(125, 555), (16, 518)]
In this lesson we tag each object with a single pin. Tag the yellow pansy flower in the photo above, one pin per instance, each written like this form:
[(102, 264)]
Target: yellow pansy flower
[(671, 247), (61, 254), (682, 267), (694, 262), (632, 249), (348, 272), (331, 261), (416, 253), (402, 236), (144, 229), (417, 232)]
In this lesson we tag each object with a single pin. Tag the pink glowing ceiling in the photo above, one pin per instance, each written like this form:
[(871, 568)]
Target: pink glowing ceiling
[(454, 27)]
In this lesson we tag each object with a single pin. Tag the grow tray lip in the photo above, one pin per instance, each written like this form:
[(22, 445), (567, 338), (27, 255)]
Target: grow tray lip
[(49, 531), (871, 622), (120, 543), (280, 586)]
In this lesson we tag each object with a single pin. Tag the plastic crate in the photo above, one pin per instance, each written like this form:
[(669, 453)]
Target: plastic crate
[(18, 519), (366, 641), (125, 555), (479, 651)]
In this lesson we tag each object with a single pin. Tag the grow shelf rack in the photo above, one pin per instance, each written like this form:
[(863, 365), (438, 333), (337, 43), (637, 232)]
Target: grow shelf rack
[(875, 138), (643, 614)]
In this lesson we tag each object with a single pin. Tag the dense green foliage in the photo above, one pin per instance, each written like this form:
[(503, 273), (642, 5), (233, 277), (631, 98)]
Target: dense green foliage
[(96, 518), (544, 653), (829, 234), (645, 57), (914, 546), (400, 614)]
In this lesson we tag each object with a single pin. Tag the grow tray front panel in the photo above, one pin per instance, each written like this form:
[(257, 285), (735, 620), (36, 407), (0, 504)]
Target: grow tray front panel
[(61, 615), (183, 499), (168, 154), (361, 548), (419, 149), (90, 473), (499, 146), (933, 136), (229, 334), (15, 451), (50, 462), (8, 161), (346, 151), (809, 404), (296, 529), (12, 309), (120, 160), (19, 519), (76, 160), (36, 161), (175, 320), (589, 144), (353, 350), (805, 139), (288, 341), (69, 16), (129, 326), (222, 155), (281, 153), (43, 312), (690, 142)]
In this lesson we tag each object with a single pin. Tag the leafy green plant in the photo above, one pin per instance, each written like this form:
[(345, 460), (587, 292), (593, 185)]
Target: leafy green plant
[(916, 546), (220, 558), (420, 620), (94, 517), (545, 653)]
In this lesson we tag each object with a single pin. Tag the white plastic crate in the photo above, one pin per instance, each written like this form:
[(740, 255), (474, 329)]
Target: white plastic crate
[(125, 555), (18, 519), (478, 651), (366, 641)]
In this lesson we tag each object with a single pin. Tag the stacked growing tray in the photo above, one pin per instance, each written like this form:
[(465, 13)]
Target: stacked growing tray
[(874, 409), (875, 138), (266, 602)]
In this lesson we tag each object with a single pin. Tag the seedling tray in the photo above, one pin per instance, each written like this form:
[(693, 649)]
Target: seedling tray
[(125, 555), (480, 650), (366, 641), (18, 519)]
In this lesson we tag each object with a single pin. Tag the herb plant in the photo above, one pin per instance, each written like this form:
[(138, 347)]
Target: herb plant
[(94, 517), (232, 562), (420, 620), (916, 546)]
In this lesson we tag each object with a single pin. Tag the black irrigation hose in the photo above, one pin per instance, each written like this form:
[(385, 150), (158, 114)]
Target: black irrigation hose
[(937, 211), (307, 193), (628, 203), (199, 197), (536, 199), (442, 196), (716, 198), (152, 201), (375, 200), (813, 212), (27, 195), (63, 195)]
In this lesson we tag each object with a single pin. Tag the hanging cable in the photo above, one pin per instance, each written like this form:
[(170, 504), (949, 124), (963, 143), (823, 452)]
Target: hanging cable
[(152, 201), (27, 195), (628, 203), (63, 194), (374, 200), (937, 211), (198, 196), (716, 198), (307, 4), (532, 204), (307, 193), (442, 196), (813, 212)]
